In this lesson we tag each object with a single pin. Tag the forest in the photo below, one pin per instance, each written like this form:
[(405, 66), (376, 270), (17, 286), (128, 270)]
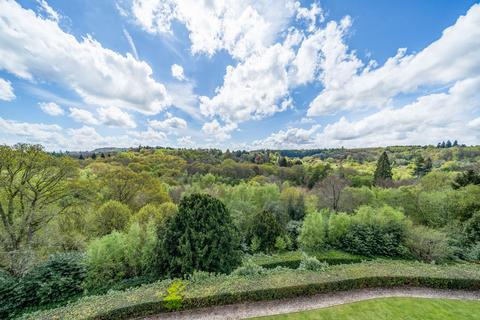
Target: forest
[(75, 225)]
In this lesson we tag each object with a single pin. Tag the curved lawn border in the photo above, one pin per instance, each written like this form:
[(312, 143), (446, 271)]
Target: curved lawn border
[(317, 301), (271, 285)]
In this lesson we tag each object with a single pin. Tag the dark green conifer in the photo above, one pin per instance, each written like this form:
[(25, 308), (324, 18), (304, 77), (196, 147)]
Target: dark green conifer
[(383, 172)]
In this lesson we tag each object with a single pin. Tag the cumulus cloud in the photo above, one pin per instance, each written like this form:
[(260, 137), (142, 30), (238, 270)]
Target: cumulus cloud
[(240, 27), (185, 141), (252, 89), (51, 108), (427, 120), (290, 138), (115, 117), (217, 132), (177, 72), (30, 45), (83, 116), (6, 90), (311, 15), (170, 124), (453, 57)]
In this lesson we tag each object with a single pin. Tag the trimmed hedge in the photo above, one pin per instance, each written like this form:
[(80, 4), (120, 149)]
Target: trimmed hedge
[(292, 260), (274, 284)]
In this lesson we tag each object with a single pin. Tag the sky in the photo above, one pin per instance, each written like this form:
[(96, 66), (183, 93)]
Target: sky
[(239, 74)]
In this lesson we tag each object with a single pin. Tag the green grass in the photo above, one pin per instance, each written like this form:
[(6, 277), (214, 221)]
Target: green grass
[(392, 309)]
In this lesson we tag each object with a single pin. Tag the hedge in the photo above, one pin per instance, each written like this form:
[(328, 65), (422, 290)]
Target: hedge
[(273, 284), (292, 260)]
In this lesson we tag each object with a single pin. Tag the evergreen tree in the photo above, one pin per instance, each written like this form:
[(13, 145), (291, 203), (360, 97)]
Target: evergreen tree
[(419, 166), (282, 162), (265, 231), (443, 144), (102, 155), (201, 237), (439, 145), (448, 144), (455, 143), (94, 156), (427, 166), (383, 172), (81, 157)]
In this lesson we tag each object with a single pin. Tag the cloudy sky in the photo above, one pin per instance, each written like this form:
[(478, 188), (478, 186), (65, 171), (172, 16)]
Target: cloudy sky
[(249, 74)]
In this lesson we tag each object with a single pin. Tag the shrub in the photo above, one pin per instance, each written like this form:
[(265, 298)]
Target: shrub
[(119, 256), (428, 245), (312, 234), (472, 228), (376, 232), (338, 226), (312, 264), (56, 280), (249, 268), (175, 294), (473, 252), (111, 216), (200, 237), (159, 214), (266, 229)]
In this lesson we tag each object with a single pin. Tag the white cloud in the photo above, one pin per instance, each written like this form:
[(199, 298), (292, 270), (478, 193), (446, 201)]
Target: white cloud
[(83, 116), (290, 138), (453, 57), (30, 132), (217, 132), (240, 27), (186, 141), (177, 72), (170, 124), (51, 108), (253, 89), (6, 90), (131, 43), (35, 48), (475, 123), (45, 8), (315, 12), (183, 97), (115, 117), (429, 119), (149, 136)]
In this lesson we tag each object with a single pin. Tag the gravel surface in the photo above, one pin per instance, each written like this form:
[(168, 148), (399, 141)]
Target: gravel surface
[(265, 308)]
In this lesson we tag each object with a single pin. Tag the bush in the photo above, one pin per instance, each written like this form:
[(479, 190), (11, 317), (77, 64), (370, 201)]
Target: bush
[(338, 226), (265, 229), (376, 232), (473, 252), (200, 237), (472, 228), (111, 216), (249, 268), (312, 234), (159, 214), (428, 245), (175, 294), (312, 264), (120, 256), (54, 281)]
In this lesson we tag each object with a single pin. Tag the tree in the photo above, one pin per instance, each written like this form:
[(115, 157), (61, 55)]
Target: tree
[(282, 162), (34, 188), (330, 189), (383, 173), (455, 143), (94, 156), (312, 234), (264, 231), (443, 145), (111, 216), (422, 166), (201, 236), (448, 144), (466, 178)]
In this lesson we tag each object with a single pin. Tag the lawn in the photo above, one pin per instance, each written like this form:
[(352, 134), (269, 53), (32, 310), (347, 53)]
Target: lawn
[(392, 309)]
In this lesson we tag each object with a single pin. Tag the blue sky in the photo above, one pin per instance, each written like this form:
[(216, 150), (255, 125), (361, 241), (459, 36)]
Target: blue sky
[(82, 74)]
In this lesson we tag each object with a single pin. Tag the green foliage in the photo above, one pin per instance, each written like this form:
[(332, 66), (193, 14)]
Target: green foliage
[(248, 269), (200, 237), (275, 284), (376, 232), (266, 230), (383, 172), (312, 235), (175, 294), (338, 227), (312, 264), (471, 230), (158, 214), (111, 216), (428, 245), (118, 256), (56, 280), (294, 203), (473, 253), (466, 178)]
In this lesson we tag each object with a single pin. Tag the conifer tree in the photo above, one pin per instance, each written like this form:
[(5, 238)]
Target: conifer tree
[(383, 173)]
